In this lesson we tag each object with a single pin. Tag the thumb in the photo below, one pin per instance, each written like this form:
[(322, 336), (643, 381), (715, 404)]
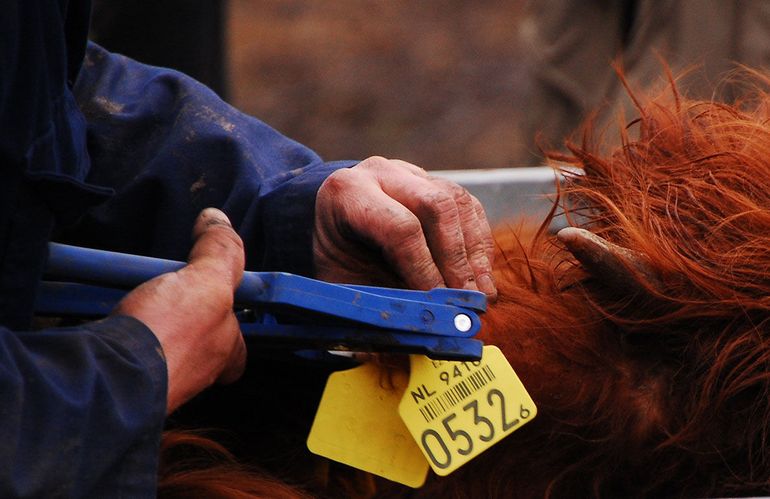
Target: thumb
[(218, 248)]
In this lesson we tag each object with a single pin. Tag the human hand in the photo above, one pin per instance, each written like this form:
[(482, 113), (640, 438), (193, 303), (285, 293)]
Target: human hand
[(191, 311), (387, 222)]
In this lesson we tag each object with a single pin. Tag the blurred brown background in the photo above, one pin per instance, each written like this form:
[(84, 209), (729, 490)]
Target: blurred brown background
[(435, 83), (445, 84)]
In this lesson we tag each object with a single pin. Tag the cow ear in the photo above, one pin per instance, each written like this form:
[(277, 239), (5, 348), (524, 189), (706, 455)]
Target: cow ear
[(619, 268)]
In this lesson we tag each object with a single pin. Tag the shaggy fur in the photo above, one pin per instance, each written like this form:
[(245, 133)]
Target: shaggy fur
[(646, 390), (658, 390)]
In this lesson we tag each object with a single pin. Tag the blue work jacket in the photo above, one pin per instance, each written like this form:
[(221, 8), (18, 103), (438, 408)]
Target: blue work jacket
[(101, 151)]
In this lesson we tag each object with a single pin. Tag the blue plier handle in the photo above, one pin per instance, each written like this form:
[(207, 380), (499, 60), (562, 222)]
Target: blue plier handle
[(280, 309)]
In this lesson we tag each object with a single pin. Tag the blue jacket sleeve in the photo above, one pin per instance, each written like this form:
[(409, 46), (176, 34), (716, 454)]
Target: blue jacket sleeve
[(170, 147), (88, 424)]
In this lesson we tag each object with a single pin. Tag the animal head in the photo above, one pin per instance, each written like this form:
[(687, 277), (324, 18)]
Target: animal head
[(647, 351)]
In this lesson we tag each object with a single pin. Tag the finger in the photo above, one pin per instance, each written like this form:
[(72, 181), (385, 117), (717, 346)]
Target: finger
[(236, 364), (486, 230), (218, 248), (439, 215), (473, 235), (364, 214), (378, 163)]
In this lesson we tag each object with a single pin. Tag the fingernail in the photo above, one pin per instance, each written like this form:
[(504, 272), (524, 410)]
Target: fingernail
[(487, 285), (213, 216)]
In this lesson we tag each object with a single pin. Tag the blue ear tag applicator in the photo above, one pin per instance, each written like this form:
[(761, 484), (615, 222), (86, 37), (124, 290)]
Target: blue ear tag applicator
[(282, 310)]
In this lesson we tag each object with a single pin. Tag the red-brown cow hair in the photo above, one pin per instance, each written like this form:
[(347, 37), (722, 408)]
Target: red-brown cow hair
[(660, 388), (193, 465)]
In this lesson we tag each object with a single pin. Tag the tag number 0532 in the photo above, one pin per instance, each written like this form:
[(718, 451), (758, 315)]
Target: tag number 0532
[(438, 451)]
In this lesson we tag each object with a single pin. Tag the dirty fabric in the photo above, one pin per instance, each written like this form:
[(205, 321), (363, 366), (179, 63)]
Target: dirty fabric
[(104, 152), (171, 147)]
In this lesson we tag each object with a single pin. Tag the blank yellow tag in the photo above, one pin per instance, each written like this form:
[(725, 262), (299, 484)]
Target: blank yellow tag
[(358, 424), (457, 410)]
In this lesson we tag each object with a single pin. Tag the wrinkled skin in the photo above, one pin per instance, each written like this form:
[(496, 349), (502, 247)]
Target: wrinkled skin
[(388, 222)]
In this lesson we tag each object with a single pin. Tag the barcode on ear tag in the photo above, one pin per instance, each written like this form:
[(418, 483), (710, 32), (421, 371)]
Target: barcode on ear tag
[(457, 410)]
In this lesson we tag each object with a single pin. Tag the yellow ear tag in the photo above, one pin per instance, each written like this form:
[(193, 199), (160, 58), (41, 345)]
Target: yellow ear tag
[(457, 410), (357, 424)]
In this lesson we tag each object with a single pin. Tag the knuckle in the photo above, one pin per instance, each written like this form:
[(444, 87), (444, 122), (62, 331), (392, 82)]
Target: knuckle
[(374, 162), (437, 204), (375, 165), (477, 250), (479, 257), (448, 185), (463, 197), (456, 257), (339, 181), (405, 229)]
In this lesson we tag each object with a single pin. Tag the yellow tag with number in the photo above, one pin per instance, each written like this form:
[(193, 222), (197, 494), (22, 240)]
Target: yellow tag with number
[(357, 424), (457, 410)]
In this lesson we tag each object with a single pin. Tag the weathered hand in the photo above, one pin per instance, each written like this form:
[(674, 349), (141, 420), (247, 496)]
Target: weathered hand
[(191, 311), (387, 222)]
